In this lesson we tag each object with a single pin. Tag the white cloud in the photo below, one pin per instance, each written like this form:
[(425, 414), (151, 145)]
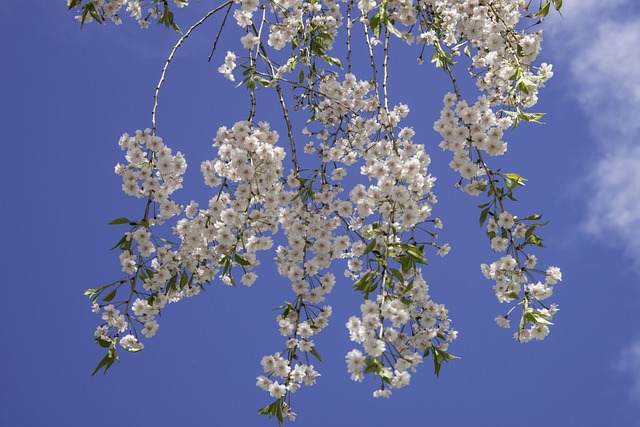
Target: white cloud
[(629, 363), (598, 44)]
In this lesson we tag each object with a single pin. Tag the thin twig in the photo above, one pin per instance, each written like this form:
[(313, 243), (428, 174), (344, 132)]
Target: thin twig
[(385, 71), (285, 111), (215, 42), (170, 58), (349, 24)]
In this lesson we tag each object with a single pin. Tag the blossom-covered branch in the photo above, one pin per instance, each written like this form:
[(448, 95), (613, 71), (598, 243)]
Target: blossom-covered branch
[(375, 225)]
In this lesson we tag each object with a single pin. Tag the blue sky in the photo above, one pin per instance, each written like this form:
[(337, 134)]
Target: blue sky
[(66, 95)]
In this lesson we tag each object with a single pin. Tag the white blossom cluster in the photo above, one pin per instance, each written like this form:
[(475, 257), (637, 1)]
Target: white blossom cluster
[(229, 65), (276, 366), (372, 225), (155, 173), (468, 130), (510, 278), (397, 199), (228, 233), (103, 10), (382, 331), (471, 132), (152, 170), (504, 53), (245, 206)]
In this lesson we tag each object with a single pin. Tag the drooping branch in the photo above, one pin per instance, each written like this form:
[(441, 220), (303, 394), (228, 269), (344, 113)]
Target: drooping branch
[(170, 58)]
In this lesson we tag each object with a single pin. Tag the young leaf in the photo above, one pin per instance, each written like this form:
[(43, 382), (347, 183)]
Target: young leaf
[(483, 216), (101, 364), (110, 295), (241, 260), (533, 217), (376, 23), (315, 353), (121, 242), (183, 279), (171, 285), (515, 177), (92, 292), (544, 10), (103, 343), (397, 275), (122, 221), (370, 246)]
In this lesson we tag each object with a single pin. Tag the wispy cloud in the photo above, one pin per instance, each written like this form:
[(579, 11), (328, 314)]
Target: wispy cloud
[(598, 44), (629, 363)]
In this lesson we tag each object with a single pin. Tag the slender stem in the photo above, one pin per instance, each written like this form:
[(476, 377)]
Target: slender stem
[(170, 58), (215, 42), (349, 24), (385, 71), (373, 62), (283, 105)]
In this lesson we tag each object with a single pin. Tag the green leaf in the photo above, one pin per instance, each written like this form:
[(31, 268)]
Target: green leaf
[(103, 343), (171, 284), (122, 221), (73, 4), (107, 361), (373, 366), (532, 117), (122, 240), (315, 353), (408, 288), (515, 177), (264, 82), (440, 356), (370, 246), (92, 292), (414, 252), (94, 13), (530, 230), (405, 262), (110, 295), (102, 363), (376, 23), (371, 288), (534, 316), (389, 26), (183, 279), (331, 61), (533, 217), (364, 282), (483, 216), (269, 410), (513, 295), (241, 260), (287, 309), (397, 275), (544, 10), (557, 4), (535, 240), (175, 27)]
